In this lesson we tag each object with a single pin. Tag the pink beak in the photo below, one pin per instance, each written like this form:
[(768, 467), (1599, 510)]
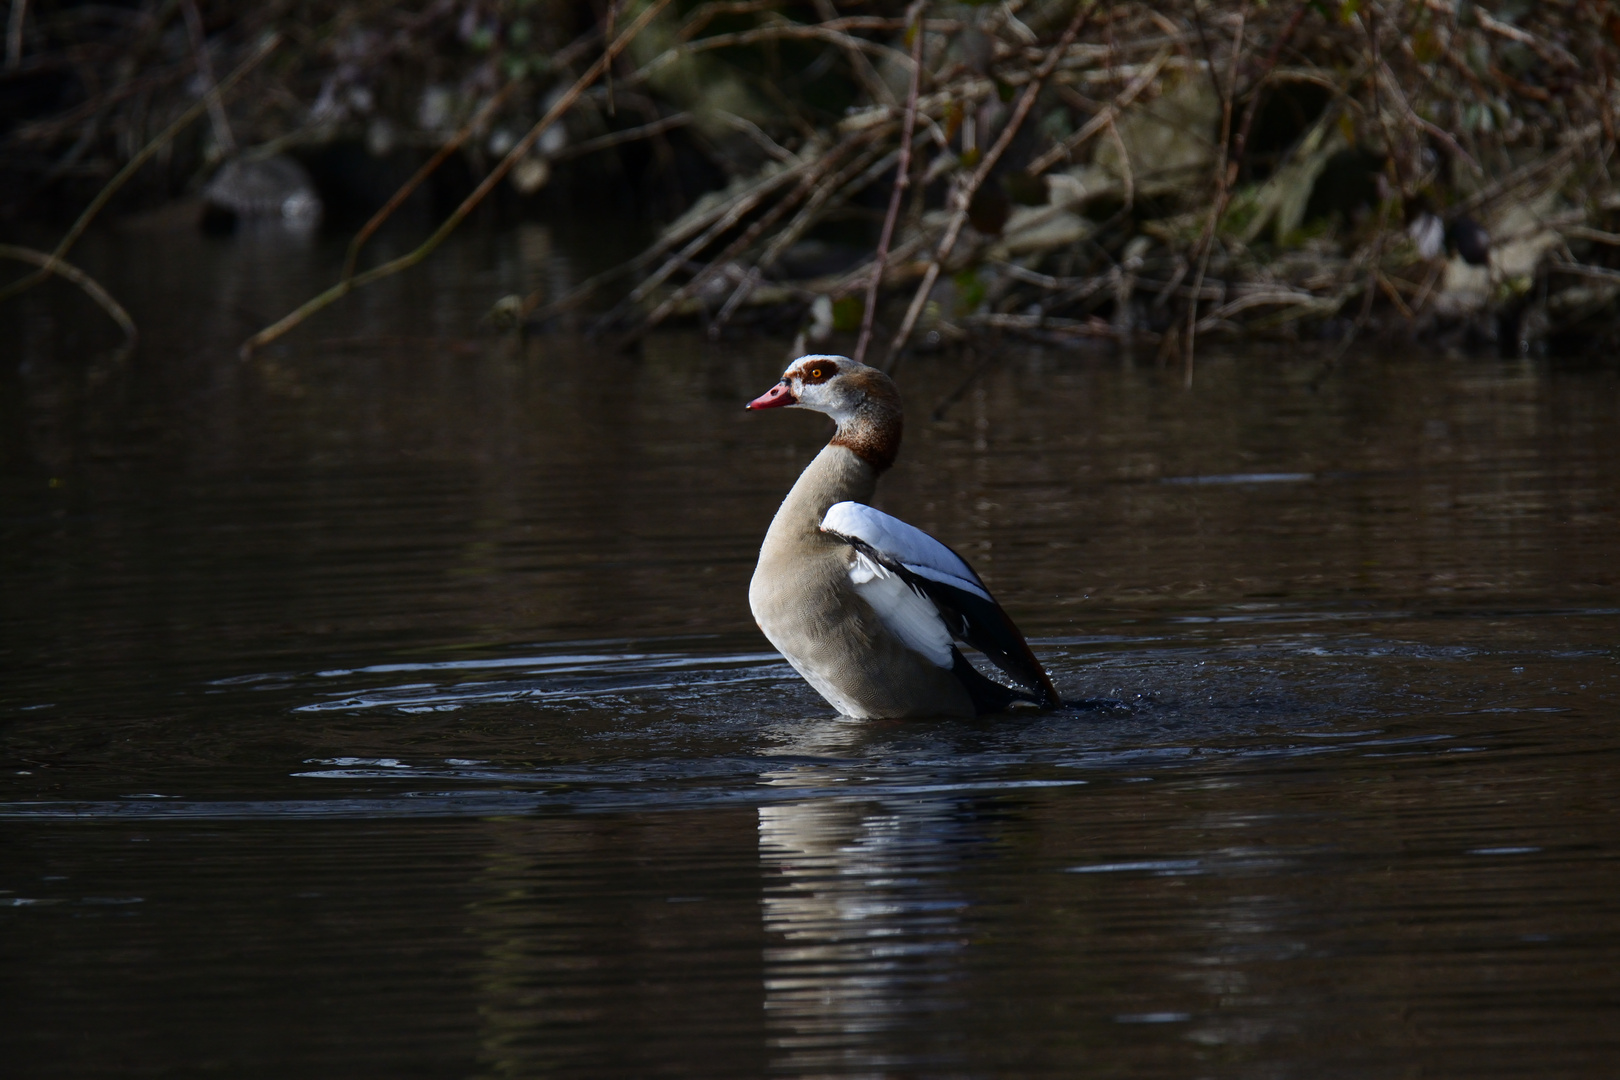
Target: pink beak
[(777, 396)]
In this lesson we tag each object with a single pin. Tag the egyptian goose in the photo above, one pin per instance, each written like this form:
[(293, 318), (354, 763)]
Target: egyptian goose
[(864, 606)]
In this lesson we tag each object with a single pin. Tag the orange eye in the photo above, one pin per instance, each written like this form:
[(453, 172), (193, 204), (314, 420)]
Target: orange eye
[(816, 373)]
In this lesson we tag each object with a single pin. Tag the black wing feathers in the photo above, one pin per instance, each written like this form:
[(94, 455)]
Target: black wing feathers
[(988, 695), (982, 624)]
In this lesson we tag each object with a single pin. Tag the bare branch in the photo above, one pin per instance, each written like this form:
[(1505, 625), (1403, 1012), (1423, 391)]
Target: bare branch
[(496, 175), (83, 280), (965, 195), (902, 180), (133, 165)]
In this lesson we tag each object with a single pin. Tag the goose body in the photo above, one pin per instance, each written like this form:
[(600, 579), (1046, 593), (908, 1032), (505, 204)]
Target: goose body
[(868, 609)]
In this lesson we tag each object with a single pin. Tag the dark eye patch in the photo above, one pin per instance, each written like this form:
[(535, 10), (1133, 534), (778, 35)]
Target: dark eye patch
[(820, 371)]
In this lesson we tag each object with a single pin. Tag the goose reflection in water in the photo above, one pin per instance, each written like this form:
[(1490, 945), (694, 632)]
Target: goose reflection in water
[(865, 936)]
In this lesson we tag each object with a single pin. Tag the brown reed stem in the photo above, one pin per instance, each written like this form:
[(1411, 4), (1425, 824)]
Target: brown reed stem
[(902, 179), (1104, 119), (728, 215), (133, 166), (833, 191), (83, 280), (1241, 143), (496, 175), (735, 213), (395, 201), (807, 184), (1223, 192), (965, 196), (205, 67)]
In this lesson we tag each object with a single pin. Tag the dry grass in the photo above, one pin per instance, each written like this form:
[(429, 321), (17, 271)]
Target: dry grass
[(1138, 173)]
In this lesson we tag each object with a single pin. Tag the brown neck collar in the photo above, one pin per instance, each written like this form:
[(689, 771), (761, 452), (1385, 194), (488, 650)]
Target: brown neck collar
[(872, 434)]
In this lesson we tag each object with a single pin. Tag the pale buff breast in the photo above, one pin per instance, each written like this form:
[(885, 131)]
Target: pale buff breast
[(838, 643), (803, 599)]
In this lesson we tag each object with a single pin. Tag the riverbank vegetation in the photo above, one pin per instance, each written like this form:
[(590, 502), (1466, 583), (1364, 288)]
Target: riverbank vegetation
[(878, 178)]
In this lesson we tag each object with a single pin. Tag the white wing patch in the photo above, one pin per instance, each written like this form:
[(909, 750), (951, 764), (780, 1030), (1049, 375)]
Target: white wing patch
[(910, 616), (905, 544)]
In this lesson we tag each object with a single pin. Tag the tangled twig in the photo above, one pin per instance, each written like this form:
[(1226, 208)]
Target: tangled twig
[(54, 265), (965, 195), (902, 179), (132, 167), (428, 246)]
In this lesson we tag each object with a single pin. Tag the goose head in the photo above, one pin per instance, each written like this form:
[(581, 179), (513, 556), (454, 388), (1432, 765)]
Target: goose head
[(861, 400)]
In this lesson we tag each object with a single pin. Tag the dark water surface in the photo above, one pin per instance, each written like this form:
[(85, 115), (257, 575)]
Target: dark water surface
[(390, 706)]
